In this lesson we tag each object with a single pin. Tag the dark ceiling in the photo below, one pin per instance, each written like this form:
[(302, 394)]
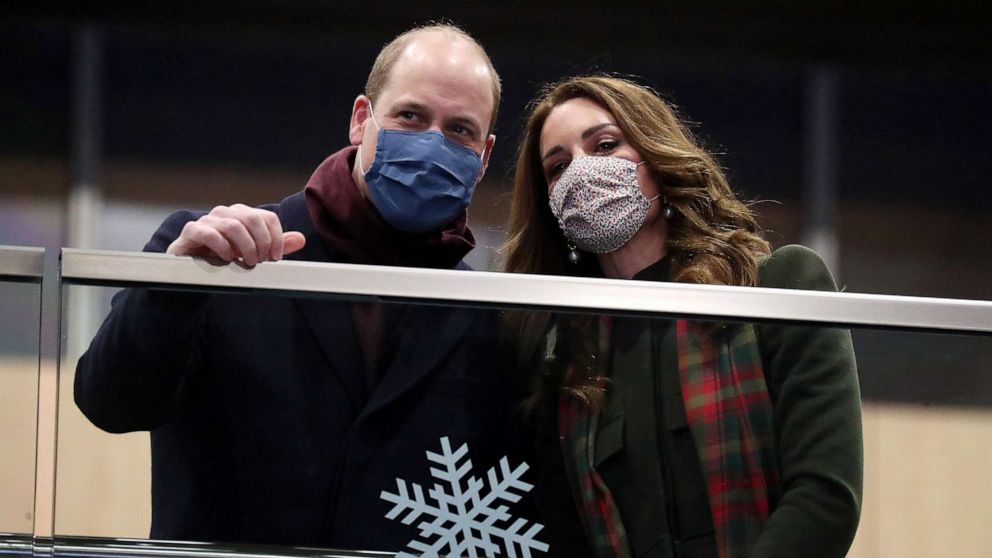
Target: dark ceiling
[(270, 83), (944, 36)]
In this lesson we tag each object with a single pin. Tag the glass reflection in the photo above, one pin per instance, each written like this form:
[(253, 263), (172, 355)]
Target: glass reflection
[(284, 420), (927, 417), (697, 437), (20, 322), (254, 440)]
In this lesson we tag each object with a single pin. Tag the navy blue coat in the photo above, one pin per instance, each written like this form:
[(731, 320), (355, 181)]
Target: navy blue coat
[(263, 427)]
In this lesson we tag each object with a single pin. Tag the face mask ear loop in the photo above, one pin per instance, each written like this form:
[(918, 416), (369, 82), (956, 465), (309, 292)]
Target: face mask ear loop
[(483, 167), (651, 200), (372, 114), (374, 121)]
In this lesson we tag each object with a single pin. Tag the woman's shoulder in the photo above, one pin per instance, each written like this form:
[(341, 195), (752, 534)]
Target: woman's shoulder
[(795, 267)]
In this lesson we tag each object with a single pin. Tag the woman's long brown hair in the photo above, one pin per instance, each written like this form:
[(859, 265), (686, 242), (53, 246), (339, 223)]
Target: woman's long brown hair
[(713, 237)]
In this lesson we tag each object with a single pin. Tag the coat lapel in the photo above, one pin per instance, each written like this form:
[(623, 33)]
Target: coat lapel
[(634, 400), (334, 331), (430, 336), (330, 320)]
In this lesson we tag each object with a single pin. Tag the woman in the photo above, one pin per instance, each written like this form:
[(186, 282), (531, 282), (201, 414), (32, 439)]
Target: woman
[(676, 438)]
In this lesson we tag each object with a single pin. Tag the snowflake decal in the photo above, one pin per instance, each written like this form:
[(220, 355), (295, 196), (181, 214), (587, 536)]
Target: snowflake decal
[(464, 519)]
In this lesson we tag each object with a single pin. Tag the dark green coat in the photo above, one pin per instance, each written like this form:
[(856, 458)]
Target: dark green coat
[(646, 455)]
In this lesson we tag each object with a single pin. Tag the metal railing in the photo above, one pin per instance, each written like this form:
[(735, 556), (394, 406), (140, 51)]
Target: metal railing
[(19, 263), (477, 287)]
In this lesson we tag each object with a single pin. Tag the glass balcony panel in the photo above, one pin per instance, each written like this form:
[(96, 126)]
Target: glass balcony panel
[(20, 358), (275, 382)]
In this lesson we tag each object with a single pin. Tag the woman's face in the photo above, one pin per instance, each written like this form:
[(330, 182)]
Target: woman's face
[(580, 127)]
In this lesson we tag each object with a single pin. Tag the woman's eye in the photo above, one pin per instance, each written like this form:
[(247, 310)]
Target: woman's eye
[(607, 145), (556, 169)]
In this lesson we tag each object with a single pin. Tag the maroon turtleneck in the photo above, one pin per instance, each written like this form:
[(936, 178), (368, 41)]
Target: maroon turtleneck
[(351, 226), (352, 229)]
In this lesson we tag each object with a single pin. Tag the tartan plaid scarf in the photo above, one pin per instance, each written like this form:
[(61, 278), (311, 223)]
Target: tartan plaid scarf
[(730, 415)]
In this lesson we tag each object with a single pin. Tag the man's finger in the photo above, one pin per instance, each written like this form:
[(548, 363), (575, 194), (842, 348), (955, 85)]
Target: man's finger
[(197, 238), (292, 241), (275, 232), (256, 226), (237, 236)]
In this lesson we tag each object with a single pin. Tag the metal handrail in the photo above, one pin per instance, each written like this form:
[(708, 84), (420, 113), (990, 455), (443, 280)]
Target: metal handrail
[(20, 263), (101, 547), (488, 288)]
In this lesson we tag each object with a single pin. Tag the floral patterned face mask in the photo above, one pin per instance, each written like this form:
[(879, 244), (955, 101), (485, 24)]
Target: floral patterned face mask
[(599, 204)]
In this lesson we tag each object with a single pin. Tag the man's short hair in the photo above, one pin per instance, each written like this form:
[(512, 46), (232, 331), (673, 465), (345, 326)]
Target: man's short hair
[(387, 58)]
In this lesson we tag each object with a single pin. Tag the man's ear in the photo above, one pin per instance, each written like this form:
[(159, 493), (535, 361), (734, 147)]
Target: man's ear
[(487, 150), (359, 115)]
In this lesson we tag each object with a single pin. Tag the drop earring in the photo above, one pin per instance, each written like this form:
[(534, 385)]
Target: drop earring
[(573, 255), (667, 210)]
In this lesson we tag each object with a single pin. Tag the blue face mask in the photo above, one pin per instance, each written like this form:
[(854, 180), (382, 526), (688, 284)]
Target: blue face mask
[(420, 181)]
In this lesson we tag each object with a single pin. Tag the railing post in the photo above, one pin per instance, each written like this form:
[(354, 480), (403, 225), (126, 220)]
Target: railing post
[(820, 161)]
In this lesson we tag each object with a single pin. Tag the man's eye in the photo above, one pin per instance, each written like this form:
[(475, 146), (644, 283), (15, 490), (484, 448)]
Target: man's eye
[(407, 115), (462, 131)]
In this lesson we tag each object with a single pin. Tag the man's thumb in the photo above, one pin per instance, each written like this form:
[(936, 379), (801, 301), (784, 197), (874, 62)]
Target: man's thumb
[(292, 241)]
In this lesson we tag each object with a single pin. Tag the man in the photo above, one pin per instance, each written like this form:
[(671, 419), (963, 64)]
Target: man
[(279, 420)]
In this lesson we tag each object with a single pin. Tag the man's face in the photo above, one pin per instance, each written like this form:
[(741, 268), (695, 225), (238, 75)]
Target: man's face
[(438, 83)]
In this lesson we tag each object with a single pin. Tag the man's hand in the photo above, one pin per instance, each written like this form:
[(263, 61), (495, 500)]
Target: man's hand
[(238, 231)]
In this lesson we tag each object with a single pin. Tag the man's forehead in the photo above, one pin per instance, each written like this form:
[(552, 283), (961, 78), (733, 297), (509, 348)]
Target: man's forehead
[(441, 52), (439, 43), (438, 66)]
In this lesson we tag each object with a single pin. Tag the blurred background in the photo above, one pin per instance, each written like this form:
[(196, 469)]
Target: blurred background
[(864, 132), (869, 129)]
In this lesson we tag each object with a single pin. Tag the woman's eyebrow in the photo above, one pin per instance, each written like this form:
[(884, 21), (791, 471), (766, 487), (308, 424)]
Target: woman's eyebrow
[(593, 129), (552, 151)]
